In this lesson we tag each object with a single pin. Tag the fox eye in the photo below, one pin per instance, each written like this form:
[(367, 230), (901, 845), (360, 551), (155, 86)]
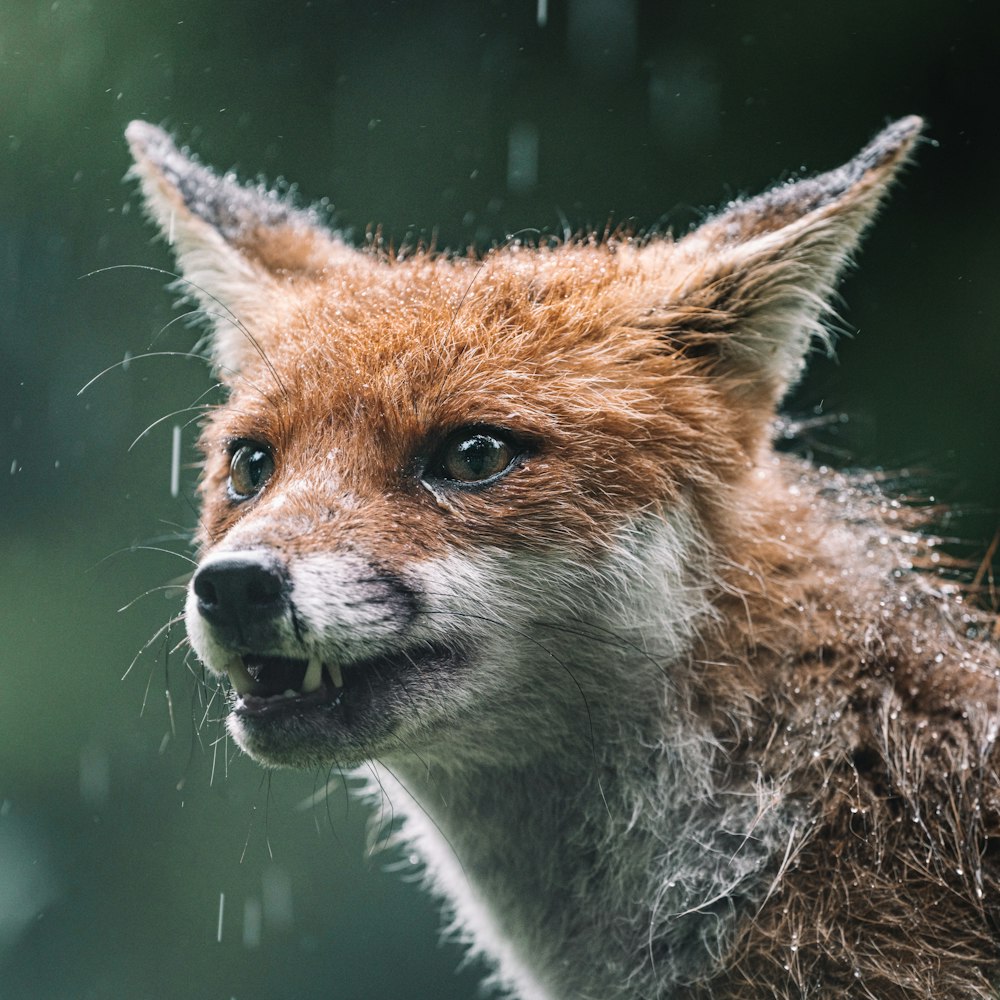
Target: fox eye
[(250, 467), (474, 457)]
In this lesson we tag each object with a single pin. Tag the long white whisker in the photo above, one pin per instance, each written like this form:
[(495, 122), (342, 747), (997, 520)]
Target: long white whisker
[(165, 627), (142, 357), (152, 590), (167, 416)]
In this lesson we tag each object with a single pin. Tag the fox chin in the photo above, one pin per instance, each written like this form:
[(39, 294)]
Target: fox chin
[(667, 713)]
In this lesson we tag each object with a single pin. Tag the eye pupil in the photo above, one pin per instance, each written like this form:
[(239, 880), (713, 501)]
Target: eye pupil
[(249, 470), (476, 458)]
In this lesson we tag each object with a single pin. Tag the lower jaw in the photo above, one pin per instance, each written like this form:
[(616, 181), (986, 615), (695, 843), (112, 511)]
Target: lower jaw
[(296, 742), (334, 729)]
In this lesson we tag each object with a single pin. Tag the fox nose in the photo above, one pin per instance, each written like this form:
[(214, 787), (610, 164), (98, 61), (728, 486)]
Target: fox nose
[(240, 591)]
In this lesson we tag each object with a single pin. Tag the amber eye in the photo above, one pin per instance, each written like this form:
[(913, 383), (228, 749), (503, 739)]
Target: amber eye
[(250, 467), (473, 457)]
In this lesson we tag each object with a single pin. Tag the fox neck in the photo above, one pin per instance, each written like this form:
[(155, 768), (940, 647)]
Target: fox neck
[(652, 840), (646, 858)]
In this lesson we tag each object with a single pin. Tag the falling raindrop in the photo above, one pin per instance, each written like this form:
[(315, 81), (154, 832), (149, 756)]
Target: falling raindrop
[(522, 157), (175, 462), (222, 910), (276, 892), (252, 923)]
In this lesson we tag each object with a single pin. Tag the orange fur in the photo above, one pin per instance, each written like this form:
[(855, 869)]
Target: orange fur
[(823, 676)]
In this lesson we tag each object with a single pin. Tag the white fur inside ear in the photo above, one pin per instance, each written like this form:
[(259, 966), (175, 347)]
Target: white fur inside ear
[(770, 264), (786, 317), (230, 291), (227, 287)]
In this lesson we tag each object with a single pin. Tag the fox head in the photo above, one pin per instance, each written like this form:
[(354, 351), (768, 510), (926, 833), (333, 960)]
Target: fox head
[(470, 506)]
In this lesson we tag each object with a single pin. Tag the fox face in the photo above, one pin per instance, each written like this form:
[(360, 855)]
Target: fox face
[(652, 700), (402, 536), (445, 494)]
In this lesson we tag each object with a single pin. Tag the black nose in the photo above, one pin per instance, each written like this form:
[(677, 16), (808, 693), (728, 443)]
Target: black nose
[(241, 591)]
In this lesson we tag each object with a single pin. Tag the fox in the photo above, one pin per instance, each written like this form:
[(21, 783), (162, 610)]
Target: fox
[(665, 711)]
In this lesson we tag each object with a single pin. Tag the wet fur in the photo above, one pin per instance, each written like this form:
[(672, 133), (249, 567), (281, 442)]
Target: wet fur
[(716, 730)]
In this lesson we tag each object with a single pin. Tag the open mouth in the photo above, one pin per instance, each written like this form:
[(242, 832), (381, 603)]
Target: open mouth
[(269, 684)]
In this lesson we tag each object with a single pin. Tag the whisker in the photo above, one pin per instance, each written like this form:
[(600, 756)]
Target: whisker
[(246, 843), (142, 548), (177, 319), (324, 795), (181, 643), (145, 694), (176, 413), (167, 694), (228, 314), (142, 357), (267, 817), (156, 635), (152, 590), (215, 754), (431, 819), (384, 800), (208, 708)]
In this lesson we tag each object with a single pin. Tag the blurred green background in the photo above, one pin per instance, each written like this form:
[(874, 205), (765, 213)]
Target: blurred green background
[(139, 856)]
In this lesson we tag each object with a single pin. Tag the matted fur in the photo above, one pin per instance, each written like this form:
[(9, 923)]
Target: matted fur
[(667, 714)]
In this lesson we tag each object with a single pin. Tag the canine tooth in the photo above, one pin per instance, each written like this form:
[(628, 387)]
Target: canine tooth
[(238, 676), (314, 676), (335, 675)]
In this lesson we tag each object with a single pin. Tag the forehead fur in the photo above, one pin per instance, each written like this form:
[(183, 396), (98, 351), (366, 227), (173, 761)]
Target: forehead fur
[(378, 362), (520, 338), (628, 375), (521, 302)]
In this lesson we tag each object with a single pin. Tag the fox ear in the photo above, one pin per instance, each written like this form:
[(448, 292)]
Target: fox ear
[(235, 244), (754, 281)]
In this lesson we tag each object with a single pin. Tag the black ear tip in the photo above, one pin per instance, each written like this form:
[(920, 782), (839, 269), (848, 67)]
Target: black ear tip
[(148, 141), (910, 125), (892, 143)]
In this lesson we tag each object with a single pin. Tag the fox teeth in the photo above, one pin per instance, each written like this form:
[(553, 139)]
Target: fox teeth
[(314, 676), (238, 676), (335, 675)]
